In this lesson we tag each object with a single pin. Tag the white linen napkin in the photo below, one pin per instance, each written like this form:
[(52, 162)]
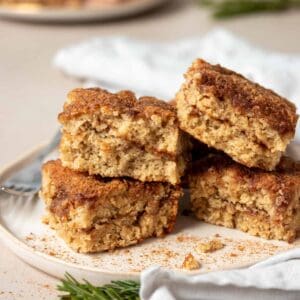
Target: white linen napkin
[(275, 278), (156, 69)]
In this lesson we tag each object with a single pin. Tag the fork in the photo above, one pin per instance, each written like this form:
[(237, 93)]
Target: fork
[(27, 181)]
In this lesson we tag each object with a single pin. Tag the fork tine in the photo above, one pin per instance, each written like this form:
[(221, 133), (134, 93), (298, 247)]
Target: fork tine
[(18, 192), (17, 186), (9, 186)]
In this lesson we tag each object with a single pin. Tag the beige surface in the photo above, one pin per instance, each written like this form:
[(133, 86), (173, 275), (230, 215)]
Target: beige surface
[(32, 92)]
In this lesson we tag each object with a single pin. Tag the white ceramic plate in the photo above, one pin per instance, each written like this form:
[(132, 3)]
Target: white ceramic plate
[(83, 14), (22, 231)]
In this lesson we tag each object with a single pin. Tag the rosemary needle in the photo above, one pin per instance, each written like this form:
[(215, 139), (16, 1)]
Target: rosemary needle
[(116, 290)]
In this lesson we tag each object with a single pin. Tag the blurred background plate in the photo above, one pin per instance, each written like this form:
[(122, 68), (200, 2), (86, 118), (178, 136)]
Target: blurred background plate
[(90, 11)]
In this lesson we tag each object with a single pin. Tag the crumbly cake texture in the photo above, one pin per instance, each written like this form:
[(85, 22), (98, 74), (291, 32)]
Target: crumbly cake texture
[(226, 111), (265, 204), (93, 214), (190, 263), (210, 246), (116, 135)]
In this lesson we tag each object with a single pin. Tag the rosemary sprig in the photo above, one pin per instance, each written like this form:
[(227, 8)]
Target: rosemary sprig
[(231, 8), (116, 290)]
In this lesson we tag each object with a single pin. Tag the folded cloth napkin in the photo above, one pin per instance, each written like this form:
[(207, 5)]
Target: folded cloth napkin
[(156, 69), (275, 278)]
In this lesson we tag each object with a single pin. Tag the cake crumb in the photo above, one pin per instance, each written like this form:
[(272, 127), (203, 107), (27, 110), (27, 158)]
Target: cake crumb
[(210, 246), (241, 247), (45, 220), (190, 263), (180, 239), (51, 253), (233, 254), (46, 286)]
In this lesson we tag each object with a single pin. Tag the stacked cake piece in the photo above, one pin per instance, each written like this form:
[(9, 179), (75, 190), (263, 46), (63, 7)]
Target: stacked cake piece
[(226, 111), (256, 190), (122, 158), (116, 182), (261, 203), (116, 135)]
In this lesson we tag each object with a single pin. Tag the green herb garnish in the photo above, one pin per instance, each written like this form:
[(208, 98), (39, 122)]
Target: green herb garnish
[(231, 8), (116, 290)]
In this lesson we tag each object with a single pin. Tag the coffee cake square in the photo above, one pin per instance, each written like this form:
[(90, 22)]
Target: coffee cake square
[(93, 214), (119, 135), (265, 204), (226, 111)]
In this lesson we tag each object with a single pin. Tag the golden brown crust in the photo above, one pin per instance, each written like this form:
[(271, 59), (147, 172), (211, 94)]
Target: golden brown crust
[(283, 181), (95, 214), (75, 189), (246, 96), (88, 101)]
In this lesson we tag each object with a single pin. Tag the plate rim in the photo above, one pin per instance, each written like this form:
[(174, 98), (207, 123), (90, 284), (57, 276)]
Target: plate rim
[(51, 14), (6, 234)]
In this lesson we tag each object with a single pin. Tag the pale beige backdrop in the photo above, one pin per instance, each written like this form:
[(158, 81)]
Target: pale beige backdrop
[(32, 91)]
